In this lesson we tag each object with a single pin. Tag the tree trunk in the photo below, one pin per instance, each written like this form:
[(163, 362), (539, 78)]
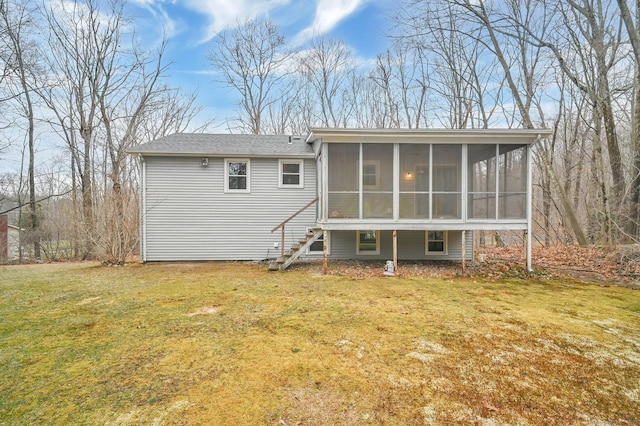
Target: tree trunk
[(87, 195), (634, 211), (634, 203)]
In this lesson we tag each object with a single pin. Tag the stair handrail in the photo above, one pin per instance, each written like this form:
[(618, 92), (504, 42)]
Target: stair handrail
[(281, 225)]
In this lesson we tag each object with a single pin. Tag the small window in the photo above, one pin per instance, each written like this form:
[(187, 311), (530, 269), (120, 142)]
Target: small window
[(368, 242), (291, 174), (237, 175), (317, 246), (371, 174), (436, 242)]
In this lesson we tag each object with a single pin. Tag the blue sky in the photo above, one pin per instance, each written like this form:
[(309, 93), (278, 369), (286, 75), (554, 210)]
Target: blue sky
[(192, 25)]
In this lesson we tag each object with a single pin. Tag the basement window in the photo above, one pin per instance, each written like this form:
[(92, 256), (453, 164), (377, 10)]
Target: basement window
[(316, 246), (436, 242), (368, 242)]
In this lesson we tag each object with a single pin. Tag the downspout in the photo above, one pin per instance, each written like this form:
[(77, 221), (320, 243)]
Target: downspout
[(143, 210)]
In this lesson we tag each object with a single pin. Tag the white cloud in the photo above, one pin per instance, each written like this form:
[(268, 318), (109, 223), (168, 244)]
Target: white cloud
[(169, 27), (223, 14), (329, 13)]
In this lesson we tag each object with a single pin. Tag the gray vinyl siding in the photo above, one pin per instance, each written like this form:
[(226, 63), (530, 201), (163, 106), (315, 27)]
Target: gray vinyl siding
[(411, 246), (190, 217)]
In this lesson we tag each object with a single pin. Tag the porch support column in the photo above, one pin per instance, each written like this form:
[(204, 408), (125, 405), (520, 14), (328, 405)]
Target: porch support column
[(529, 209), (395, 250), (325, 251), (527, 249), (464, 252)]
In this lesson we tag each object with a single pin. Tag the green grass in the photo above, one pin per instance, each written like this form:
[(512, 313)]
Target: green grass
[(225, 343)]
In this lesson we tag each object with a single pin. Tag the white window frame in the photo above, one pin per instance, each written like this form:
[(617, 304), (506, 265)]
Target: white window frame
[(309, 251), (445, 241), (281, 164), (376, 164), (226, 174), (367, 252)]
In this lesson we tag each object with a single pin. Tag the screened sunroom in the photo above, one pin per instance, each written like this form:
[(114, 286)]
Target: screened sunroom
[(424, 180)]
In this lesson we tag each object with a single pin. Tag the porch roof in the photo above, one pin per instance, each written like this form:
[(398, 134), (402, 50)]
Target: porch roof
[(437, 136), (212, 145)]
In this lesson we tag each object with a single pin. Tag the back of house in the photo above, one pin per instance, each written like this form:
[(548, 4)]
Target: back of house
[(343, 193)]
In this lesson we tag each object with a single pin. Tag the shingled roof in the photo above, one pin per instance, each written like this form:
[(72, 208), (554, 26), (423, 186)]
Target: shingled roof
[(197, 144)]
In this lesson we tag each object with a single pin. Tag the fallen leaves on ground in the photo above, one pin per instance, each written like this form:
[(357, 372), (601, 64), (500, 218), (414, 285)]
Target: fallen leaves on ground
[(620, 265), (616, 266)]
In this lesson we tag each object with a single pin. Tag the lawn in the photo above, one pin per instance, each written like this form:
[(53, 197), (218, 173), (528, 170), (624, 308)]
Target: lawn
[(230, 343)]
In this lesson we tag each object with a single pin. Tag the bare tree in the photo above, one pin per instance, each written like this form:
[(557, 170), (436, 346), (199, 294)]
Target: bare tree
[(81, 42), (327, 66), (107, 96), (382, 75), (252, 59), (585, 42), (370, 106), (633, 31), (20, 65), (175, 112)]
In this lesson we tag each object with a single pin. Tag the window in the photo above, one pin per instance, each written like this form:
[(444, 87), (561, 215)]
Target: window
[(316, 246), (436, 242), (291, 174), (367, 242), (237, 175), (371, 174)]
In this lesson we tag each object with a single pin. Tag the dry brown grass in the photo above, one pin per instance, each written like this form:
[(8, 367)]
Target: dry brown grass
[(229, 343)]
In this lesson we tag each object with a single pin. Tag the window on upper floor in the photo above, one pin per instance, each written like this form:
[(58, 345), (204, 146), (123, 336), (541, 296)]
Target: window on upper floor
[(291, 173), (236, 175)]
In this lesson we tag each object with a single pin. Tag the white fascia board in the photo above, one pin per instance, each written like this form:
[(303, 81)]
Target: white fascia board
[(421, 226), (309, 155), (444, 136)]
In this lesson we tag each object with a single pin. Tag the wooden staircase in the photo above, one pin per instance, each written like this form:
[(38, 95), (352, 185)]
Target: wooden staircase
[(296, 250)]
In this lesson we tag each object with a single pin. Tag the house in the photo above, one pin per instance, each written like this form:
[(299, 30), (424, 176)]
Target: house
[(9, 239), (401, 194)]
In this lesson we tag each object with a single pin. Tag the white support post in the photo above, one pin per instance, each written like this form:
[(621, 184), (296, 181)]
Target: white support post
[(529, 209), (325, 253), (464, 252), (395, 251), (396, 181), (360, 180), (464, 187), (325, 183)]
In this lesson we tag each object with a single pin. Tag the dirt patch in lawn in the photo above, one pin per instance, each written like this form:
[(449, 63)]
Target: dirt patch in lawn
[(205, 310)]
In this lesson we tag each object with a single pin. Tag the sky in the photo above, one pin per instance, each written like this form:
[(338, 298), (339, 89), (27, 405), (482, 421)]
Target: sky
[(192, 25), (190, 28)]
